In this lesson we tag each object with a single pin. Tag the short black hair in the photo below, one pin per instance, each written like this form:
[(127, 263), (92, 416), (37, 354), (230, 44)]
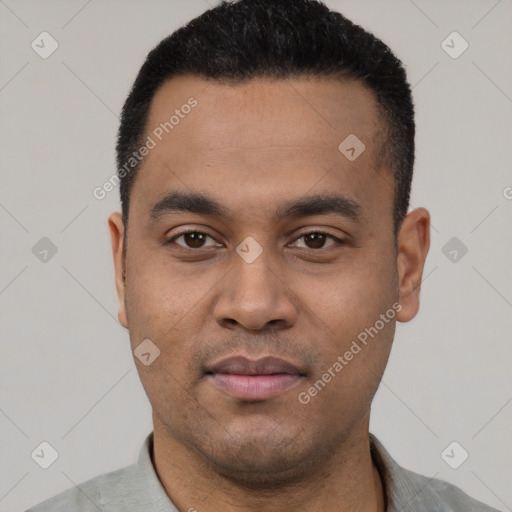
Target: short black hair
[(243, 39)]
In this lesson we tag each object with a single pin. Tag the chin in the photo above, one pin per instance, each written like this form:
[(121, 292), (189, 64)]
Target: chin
[(270, 472), (266, 458)]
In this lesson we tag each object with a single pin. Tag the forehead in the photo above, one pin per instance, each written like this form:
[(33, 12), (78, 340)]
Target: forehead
[(269, 136), (259, 111)]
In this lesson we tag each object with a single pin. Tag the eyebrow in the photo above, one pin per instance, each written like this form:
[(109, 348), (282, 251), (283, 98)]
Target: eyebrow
[(319, 204)]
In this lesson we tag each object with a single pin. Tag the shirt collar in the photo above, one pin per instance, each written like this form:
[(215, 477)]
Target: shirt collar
[(404, 490), (155, 497)]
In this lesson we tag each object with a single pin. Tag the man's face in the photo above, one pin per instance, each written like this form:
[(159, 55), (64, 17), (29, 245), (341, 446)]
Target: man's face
[(255, 149)]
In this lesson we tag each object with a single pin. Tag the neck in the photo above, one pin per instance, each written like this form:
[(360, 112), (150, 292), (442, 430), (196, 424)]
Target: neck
[(347, 482)]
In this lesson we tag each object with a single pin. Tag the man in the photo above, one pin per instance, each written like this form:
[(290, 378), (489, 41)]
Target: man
[(263, 256)]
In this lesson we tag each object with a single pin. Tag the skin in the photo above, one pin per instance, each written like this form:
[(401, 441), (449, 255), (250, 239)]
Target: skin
[(251, 147)]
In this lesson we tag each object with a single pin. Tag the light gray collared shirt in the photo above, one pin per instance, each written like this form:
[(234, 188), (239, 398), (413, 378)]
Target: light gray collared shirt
[(137, 488)]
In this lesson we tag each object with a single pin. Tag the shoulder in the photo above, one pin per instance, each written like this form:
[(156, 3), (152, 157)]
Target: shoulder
[(447, 497), (407, 491), (92, 495)]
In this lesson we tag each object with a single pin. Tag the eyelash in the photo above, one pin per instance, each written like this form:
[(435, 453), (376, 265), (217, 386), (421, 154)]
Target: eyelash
[(337, 240)]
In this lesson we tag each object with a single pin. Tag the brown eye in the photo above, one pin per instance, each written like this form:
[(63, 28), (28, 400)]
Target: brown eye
[(192, 239), (316, 240)]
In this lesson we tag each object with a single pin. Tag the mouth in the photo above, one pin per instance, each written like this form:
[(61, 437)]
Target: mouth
[(254, 380)]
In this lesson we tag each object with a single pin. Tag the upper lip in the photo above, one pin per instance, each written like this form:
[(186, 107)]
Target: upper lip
[(240, 365)]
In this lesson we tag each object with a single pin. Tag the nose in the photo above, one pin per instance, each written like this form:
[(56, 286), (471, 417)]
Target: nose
[(256, 297)]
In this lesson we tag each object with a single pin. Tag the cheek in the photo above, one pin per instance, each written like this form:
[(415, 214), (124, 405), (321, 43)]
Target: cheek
[(162, 295), (352, 299), (167, 304), (355, 342)]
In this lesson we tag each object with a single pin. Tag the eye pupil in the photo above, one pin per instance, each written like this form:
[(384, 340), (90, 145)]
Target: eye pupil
[(194, 239), (318, 240)]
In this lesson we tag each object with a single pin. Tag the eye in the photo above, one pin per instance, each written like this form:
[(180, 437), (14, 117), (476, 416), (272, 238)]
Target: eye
[(192, 239), (316, 240)]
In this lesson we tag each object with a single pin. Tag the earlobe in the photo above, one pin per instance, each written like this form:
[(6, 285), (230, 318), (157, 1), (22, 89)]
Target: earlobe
[(116, 225), (413, 246)]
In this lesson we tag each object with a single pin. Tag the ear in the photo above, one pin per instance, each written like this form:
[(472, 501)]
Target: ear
[(413, 246), (115, 223)]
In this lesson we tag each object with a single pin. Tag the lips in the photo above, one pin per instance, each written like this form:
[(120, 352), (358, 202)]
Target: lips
[(254, 380), (241, 365)]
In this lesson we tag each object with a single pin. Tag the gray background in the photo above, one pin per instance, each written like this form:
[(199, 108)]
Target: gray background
[(66, 373)]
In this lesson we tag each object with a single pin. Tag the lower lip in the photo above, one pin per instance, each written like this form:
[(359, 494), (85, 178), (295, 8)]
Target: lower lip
[(254, 387)]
